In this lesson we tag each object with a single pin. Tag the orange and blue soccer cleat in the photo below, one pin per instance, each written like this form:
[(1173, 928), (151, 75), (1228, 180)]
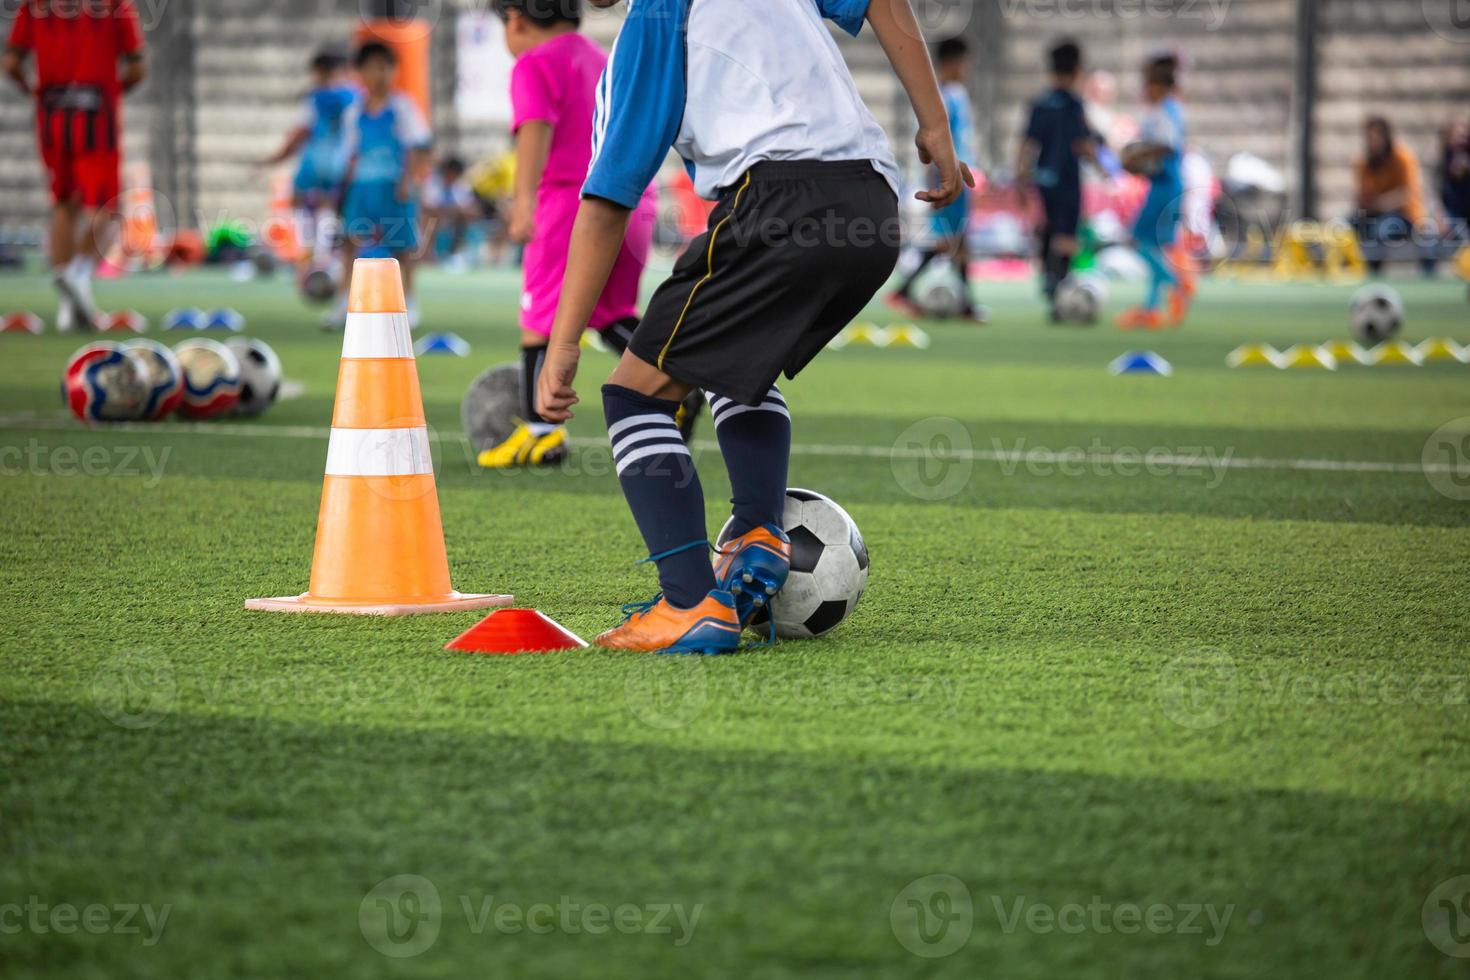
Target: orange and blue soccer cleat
[(753, 568), (657, 627), (1141, 319)]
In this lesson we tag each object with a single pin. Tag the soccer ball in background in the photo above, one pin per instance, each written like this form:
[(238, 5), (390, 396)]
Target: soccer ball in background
[(211, 379), (260, 375), (829, 568), (1080, 299), (1378, 314), (939, 291), (164, 378), (319, 283), (105, 382)]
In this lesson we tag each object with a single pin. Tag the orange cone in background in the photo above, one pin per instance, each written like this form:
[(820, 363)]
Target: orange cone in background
[(379, 538)]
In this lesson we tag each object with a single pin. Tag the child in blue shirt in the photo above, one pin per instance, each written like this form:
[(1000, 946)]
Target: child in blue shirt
[(1159, 154), (388, 147), (319, 140)]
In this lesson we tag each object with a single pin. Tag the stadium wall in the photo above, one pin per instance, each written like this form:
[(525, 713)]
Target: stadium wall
[(227, 80)]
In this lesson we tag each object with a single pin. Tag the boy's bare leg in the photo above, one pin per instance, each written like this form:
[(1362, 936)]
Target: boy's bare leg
[(638, 375)]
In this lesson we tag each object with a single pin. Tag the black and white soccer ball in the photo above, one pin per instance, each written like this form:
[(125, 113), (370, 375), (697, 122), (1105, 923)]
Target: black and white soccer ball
[(939, 292), (260, 375), (1080, 299), (829, 568), (1378, 314)]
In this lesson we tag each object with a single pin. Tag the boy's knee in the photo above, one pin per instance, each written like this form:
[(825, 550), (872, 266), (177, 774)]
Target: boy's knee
[(638, 375)]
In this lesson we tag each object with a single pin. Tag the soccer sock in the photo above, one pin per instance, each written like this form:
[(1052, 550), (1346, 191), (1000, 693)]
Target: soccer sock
[(928, 256), (1160, 276), (1059, 266), (961, 266), (756, 444), (531, 360), (662, 487)]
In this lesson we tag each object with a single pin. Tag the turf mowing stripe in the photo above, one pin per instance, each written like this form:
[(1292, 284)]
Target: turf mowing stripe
[(1170, 460)]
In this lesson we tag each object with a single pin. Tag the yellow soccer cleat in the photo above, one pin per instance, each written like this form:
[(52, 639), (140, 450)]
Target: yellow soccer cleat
[(525, 448)]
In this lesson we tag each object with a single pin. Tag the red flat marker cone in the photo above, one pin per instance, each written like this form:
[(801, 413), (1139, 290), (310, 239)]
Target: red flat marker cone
[(516, 631)]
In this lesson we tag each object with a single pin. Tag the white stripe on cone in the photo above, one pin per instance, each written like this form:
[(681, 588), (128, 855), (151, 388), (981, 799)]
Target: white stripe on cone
[(377, 335), (379, 452)]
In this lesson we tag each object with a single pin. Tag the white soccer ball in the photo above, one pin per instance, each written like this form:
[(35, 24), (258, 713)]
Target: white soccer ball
[(260, 375), (939, 291), (829, 568), (1378, 314), (1080, 299)]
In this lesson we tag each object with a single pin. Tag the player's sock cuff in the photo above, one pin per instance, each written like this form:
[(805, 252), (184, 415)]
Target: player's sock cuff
[(640, 427), (724, 409)]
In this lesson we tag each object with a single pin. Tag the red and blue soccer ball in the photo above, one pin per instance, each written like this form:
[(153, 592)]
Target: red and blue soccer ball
[(105, 382), (165, 379), (211, 379)]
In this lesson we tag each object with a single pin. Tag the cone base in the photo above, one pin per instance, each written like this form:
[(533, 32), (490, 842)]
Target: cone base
[(305, 603)]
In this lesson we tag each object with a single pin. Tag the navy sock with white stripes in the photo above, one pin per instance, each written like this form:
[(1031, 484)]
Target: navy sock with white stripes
[(756, 444), (658, 478)]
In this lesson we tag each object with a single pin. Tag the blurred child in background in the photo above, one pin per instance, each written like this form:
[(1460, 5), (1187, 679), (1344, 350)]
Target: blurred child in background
[(450, 206), (1159, 155), (85, 62), (387, 149), (1058, 138), (950, 226), (320, 140), (553, 98)]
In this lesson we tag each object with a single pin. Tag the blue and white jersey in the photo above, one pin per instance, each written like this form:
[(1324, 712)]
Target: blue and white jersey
[(379, 142), (728, 84), (324, 155), (1164, 126), (961, 114)]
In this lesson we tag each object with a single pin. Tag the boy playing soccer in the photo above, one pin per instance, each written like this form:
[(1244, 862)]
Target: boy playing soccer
[(1058, 138), (553, 96), (1159, 154), (320, 138), (387, 149), (950, 225), (755, 96), (88, 55)]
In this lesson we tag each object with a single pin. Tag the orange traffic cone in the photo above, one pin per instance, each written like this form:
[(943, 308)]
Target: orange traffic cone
[(379, 540)]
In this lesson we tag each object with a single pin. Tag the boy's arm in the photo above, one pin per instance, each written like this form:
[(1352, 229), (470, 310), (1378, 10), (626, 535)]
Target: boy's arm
[(636, 125), (18, 49), (533, 149), (295, 140), (130, 43), (898, 32), (14, 63)]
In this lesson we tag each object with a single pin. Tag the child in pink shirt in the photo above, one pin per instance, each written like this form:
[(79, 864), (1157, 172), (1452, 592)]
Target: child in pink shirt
[(553, 97)]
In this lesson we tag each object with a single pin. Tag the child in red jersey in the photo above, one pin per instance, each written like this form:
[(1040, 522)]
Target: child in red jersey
[(88, 53)]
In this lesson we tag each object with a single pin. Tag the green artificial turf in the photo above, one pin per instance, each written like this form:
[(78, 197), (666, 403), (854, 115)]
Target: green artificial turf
[(1232, 699)]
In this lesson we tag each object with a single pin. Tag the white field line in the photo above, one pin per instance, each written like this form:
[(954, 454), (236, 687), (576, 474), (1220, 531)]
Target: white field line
[(1153, 457)]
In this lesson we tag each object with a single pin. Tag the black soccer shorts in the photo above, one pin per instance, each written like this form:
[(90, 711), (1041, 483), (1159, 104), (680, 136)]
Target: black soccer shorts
[(793, 253)]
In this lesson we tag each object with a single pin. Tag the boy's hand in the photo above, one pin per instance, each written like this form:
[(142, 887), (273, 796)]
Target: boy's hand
[(554, 393), (937, 147)]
